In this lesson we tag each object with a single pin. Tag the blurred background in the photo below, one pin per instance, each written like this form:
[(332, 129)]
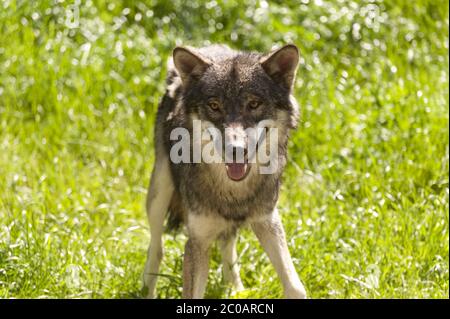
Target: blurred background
[(365, 194)]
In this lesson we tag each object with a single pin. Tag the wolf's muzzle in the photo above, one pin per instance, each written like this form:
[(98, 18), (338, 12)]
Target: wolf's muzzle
[(236, 152)]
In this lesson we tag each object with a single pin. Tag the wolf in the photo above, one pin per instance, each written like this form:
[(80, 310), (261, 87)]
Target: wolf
[(230, 91)]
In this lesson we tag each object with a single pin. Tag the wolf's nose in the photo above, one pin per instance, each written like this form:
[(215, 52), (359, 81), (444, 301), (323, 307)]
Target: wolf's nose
[(235, 153), (235, 143), (239, 150)]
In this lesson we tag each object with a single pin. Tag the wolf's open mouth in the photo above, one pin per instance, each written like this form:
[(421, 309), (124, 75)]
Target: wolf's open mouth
[(237, 171)]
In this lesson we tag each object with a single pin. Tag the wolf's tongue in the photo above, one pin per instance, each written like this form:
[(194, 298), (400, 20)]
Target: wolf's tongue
[(236, 171)]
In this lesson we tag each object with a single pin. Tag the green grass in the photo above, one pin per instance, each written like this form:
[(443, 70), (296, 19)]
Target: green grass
[(365, 194)]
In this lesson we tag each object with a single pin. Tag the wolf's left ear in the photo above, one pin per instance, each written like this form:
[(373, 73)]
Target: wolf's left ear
[(188, 63), (281, 65)]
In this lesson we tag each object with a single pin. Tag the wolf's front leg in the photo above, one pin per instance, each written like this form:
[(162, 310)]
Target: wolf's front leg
[(195, 268), (271, 235), (202, 231), (230, 261)]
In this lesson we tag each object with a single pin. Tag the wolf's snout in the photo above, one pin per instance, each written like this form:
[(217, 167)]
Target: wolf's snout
[(236, 152), (235, 143)]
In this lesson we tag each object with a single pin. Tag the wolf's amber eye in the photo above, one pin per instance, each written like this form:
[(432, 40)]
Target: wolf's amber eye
[(214, 105), (254, 104)]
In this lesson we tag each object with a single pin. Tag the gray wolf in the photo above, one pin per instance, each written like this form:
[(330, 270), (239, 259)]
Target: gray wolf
[(230, 91)]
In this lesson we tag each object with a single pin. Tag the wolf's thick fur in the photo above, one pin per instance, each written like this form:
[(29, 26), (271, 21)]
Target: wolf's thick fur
[(202, 196)]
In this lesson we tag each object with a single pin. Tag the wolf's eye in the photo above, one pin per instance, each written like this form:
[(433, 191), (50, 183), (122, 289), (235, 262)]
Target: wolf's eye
[(254, 104), (214, 105)]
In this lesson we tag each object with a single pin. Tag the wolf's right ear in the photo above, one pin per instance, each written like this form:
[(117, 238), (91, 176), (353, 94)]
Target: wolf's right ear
[(189, 64)]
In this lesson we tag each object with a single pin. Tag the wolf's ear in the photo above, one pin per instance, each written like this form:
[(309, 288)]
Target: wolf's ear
[(188, 63), (281, 65)]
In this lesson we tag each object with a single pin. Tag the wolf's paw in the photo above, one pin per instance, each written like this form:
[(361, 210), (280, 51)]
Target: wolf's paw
[(295, 293)]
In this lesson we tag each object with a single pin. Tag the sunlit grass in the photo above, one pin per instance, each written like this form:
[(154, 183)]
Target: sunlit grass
[(365, 195)]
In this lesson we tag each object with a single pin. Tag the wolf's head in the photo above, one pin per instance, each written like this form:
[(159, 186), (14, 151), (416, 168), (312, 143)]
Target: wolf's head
[(235, 91)]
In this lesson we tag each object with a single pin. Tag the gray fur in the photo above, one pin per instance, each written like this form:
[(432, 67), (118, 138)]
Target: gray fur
[(201, 193), (232, 76)]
